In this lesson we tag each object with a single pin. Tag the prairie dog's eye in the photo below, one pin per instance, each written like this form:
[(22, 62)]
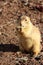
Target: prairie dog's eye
[(25, 19)]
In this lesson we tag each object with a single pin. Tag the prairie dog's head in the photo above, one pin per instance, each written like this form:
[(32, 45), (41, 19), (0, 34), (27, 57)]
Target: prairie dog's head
[(25, 20), (25, 23)]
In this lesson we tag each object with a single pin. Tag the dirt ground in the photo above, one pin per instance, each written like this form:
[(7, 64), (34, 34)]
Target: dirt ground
[(10, 12)]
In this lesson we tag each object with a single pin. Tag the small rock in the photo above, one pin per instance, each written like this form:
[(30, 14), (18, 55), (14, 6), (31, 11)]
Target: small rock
[(25, 2), (0, 11)]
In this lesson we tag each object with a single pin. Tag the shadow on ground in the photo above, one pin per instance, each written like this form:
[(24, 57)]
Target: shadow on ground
[(9, 48)]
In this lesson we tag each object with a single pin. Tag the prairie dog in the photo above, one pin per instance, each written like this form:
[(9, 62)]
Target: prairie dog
[(30, 36)]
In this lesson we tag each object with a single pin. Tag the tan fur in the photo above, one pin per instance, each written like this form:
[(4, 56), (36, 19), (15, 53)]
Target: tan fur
[(30, 36)]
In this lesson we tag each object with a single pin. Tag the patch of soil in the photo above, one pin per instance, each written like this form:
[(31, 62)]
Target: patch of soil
[(10, 12)]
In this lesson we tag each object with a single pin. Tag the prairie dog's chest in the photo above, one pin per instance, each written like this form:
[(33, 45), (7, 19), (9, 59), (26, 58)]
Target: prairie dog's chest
[(26, 42)]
